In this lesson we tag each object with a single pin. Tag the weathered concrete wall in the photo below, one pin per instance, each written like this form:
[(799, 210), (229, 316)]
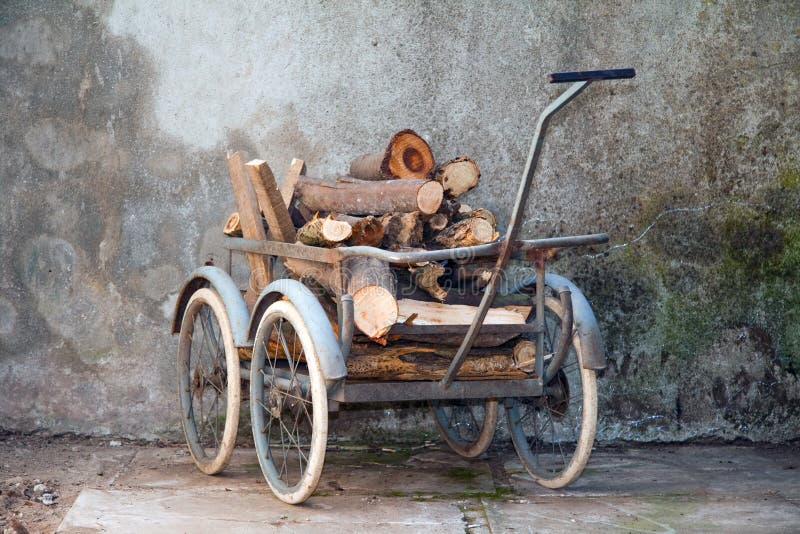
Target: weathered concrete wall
[(113, 184)]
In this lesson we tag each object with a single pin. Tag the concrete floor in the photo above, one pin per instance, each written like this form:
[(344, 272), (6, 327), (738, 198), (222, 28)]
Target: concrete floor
[(625, 488)]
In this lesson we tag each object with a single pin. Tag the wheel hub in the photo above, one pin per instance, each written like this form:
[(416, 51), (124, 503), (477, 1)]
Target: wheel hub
[(556, 398), (275, 404)]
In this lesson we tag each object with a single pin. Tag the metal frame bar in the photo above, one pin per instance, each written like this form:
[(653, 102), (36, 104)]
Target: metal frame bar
[(511, 235), (363, 392), (332, 255)]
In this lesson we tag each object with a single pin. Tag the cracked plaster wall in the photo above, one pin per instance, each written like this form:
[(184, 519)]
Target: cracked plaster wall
[(113, 184)]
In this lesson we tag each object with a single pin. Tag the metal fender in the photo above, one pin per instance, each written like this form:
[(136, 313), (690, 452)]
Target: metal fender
[(594, 356), (327, 346), (222, 283)]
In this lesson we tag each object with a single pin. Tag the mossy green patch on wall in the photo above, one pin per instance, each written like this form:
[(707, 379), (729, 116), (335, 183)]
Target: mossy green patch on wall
[(789, 178)]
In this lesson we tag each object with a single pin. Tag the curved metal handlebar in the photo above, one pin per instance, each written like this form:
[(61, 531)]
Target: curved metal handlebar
[(591, 75)]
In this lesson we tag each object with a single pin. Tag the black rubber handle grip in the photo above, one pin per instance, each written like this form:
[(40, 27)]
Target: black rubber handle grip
[(587, 75)]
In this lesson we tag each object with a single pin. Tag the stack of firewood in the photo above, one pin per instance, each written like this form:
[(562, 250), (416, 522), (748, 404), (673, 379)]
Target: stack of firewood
[(396, 199)]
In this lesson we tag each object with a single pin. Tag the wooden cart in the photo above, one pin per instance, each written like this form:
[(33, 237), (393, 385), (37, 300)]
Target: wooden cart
[(301, 365)]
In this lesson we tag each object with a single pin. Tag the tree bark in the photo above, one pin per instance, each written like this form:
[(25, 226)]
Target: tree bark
[(458, 176), (327, 232), (434, 224), (449, 208), (409, 361), (480, 213), (367, 231), (373, 287), (402, 230), (359, 197), (371, 283), (466, 233), (406, 156), (478, 274), (427, 278)]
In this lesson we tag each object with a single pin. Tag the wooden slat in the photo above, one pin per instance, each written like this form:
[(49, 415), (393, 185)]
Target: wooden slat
[(402, 361), (270, 201), (441, 329), (252, 227), (296, 168)]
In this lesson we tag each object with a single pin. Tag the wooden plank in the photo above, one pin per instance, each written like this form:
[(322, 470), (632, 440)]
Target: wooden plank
[(270, 201), (460, 329), (252, 227), (455, 314), (296, 168), (426, 362)]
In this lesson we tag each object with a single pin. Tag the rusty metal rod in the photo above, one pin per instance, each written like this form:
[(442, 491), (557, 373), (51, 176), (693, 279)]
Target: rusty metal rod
[(513, 228), (518, 249), (565, 339), (345, 312)]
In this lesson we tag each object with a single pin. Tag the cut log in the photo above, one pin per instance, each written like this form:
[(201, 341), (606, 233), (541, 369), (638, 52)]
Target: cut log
[(427, 278), (252, 228), (524, 355), (327, 232), (480, 213), (270, 201), (410, 361), (458, 176), (477, 274), (402, 230), (449, 208), (367, 231), (407, 156), (434, 224), (466, 233), (371, 283), (233, 226), (322, 273), (373, 287), (359, 197)]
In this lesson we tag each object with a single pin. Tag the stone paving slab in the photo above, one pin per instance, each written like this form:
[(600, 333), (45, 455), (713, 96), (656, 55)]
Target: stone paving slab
[(687, 469), (205, 510), (635, 489), (652, 514)]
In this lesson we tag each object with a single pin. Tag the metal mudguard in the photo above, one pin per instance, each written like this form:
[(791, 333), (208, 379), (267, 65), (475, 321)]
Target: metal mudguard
[(594, 356), (325, 343), (222, 283)]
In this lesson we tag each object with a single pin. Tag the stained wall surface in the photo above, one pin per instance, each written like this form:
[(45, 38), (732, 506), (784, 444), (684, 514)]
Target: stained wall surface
[(113, 186)]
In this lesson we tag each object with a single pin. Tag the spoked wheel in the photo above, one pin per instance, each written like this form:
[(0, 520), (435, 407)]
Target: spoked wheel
[(288, 404), (468, 425), (208, 381), (553, 434)]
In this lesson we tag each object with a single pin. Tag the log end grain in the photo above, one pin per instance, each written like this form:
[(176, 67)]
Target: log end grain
[(466, 233), (375, 310), (429, 197), (233, 226), (458, 176), (407, 156), (336, 231)]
